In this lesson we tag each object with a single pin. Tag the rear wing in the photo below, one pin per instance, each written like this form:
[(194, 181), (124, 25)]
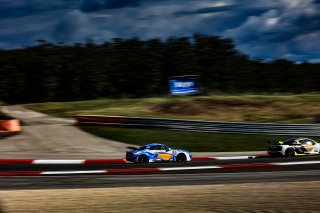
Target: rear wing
[(132, 147)]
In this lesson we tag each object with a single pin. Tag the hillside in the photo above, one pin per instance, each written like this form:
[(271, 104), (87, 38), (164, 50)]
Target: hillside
[(250, 108)]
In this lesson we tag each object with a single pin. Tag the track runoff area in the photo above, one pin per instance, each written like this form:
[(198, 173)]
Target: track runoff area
[(33, 167)]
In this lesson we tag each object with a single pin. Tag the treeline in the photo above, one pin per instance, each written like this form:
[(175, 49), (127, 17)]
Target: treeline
[(135, 68)]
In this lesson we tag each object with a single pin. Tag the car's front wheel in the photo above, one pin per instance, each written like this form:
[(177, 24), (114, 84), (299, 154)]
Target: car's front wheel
[(143, 159), (290, 153), (181, 157)]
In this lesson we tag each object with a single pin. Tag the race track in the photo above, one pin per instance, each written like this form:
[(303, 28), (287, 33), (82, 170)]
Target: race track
[(32, 181), (304, 169)]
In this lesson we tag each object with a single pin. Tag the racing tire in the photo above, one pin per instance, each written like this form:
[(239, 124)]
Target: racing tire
[(143, 159), (181, 157), (290, 153)]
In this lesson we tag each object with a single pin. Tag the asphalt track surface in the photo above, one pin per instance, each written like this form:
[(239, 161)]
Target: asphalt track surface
[(306, 172), (49, 137)]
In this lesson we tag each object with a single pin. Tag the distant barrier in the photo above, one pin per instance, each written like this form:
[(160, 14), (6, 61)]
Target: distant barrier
[(200, 126), (8, 127)]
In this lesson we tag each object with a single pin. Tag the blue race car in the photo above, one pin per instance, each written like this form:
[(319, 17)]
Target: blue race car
[(156, 153)]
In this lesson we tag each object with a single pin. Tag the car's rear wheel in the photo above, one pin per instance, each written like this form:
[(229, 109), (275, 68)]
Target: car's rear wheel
[(143, 159), (181, 157), (290, 153)]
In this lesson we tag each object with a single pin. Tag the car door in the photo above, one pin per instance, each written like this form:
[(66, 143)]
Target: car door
[(165, 153), (313, 146), (309, 145)]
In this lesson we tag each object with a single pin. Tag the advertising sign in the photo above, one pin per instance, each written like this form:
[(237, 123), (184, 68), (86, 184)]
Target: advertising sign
[(183, 85)]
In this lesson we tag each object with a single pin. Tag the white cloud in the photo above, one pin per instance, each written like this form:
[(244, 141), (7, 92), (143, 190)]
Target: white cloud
[(287, 31), (308, 42), (272, 21)]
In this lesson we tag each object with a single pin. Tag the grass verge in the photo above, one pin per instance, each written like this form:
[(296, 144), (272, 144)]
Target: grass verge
[(300, 108), (192, 141), (282, 108)]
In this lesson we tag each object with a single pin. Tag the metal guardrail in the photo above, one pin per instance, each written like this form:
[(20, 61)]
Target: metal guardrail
[(202, 126)]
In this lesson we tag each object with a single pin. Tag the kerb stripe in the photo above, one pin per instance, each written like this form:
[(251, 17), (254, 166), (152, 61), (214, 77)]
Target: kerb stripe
[(16, 161)]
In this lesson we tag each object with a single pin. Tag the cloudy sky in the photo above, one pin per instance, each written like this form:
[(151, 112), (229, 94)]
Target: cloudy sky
[(264, 29)]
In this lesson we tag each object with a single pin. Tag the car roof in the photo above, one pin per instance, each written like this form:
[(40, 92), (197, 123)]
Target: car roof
[(299, 138), (303, 139), (153, 144)]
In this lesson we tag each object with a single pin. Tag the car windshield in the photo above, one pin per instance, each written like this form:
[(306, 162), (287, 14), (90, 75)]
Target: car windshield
[(142, 148)]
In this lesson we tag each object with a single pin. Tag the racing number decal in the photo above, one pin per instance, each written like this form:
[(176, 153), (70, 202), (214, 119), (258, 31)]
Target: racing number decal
[(309, 148), (164, 156)]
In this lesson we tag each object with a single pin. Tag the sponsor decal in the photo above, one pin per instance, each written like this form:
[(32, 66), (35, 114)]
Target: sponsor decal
[(164, 156)]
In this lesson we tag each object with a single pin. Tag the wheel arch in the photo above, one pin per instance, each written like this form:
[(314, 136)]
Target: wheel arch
[(289, 149), (187, 154)]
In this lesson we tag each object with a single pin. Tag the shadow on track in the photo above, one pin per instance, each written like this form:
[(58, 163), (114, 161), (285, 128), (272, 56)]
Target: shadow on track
[(1, 207)]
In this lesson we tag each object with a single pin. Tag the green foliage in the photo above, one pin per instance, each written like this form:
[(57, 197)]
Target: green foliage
[(134, 68)]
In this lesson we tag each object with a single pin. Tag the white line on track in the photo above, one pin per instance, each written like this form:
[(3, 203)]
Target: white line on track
[(297, 163), (189, 168), (233, 158), (74, 172), (58, 162)]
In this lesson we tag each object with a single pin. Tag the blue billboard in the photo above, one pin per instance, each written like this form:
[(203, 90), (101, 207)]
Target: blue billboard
[(183, 85)]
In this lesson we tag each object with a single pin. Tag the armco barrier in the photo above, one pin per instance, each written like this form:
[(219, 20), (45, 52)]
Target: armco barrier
[(201, 126), (99, 120)]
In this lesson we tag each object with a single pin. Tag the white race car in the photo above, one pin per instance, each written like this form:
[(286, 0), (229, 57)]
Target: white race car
[(294, 147)]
